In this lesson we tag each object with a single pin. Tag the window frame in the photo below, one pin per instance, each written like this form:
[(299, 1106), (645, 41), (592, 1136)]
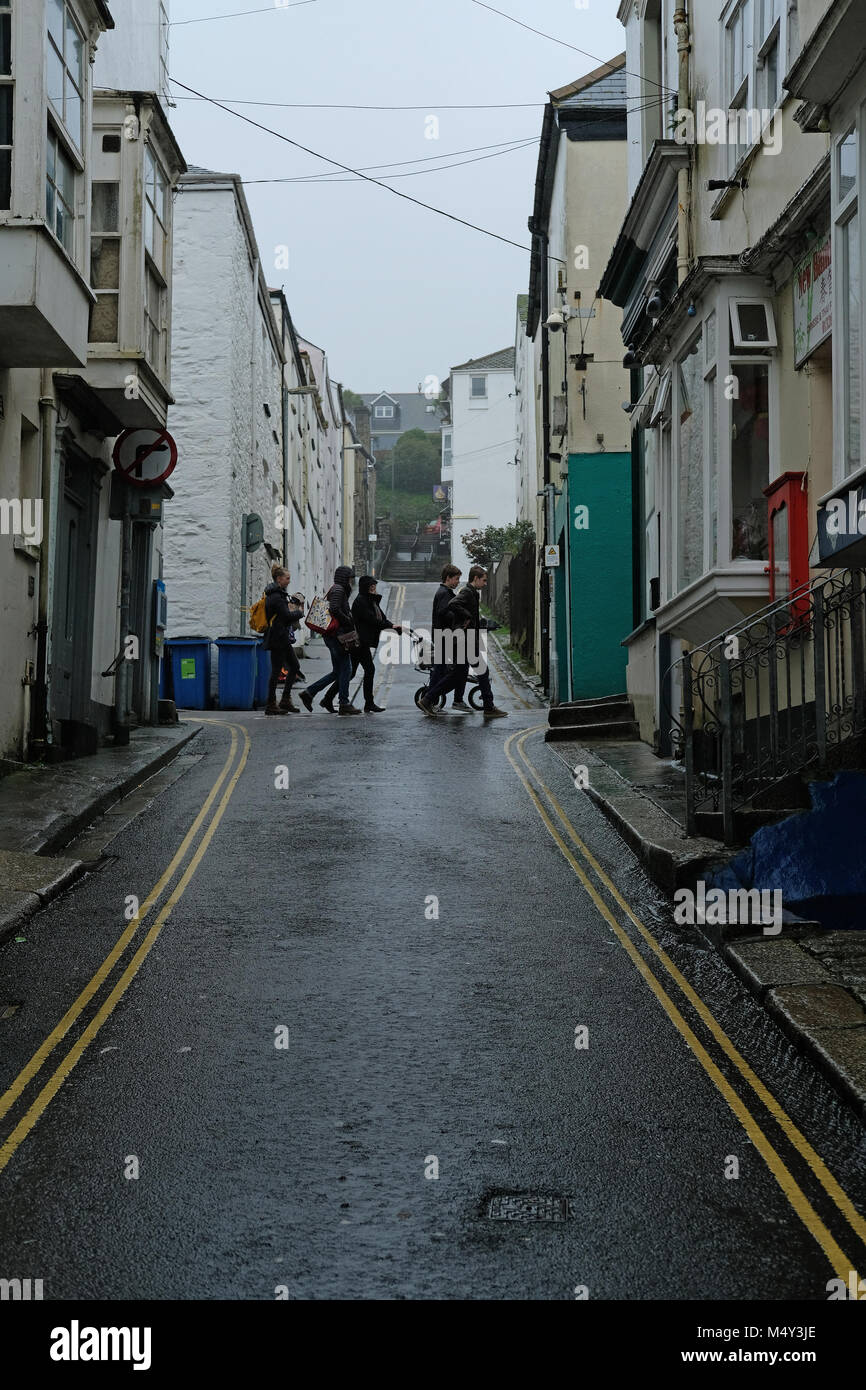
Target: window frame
[(477, 395), (152, 161), (741, 344), (846, 207), (62, 151), (7, 84), (60, 114), (116, 236)]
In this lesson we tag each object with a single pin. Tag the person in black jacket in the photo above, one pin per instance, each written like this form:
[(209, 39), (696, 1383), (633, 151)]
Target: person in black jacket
[(341, 662), (441, 599), (281, 617), (463, 613), (370, 623)]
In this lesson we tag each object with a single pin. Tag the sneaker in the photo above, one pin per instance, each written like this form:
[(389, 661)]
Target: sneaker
[(348, 709), (494, 713), (427, 709), (374, 709), (461, 704), (306, 700)]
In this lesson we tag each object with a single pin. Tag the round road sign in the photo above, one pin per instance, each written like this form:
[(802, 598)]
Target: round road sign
[(145, 457)]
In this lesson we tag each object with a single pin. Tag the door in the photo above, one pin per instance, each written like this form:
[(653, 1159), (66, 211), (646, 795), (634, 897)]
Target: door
[(74, 588), (140, 604)]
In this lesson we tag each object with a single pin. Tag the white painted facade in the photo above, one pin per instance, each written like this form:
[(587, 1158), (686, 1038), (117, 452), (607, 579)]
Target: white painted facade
[(326, 467), (483, 442), (134, 57), (227, 370)]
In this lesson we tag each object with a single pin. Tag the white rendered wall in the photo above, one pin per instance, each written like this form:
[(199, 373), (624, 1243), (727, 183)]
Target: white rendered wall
[(484, 437)]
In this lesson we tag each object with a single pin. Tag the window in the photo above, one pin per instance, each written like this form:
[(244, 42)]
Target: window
[(752, 324), (738, 62), (60, 193), (105, 262), (154, 331), (446, 450), (155, 210), (769, 47), (478, 387), (6, 103), (164, 32), (848, 303), (750, 460), (662, 400), (690, 466), (64, 51), (384, 412)]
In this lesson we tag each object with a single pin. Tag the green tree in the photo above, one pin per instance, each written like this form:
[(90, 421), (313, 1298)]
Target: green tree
[(351, 401), (417, 462), (486, 547)]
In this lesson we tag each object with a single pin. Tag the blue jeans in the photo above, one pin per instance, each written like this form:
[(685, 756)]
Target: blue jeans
[(341, 670)]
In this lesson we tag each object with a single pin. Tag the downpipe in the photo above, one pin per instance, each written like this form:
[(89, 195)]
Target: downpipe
[(39, 730), (684, 176)]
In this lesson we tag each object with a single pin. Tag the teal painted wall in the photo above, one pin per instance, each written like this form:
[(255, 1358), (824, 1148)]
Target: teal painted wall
[(599, 573)]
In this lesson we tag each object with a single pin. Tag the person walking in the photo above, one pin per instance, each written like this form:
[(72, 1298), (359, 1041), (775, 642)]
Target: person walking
[(370, 623), (441, 599), (341, 661), (463, 613), (279, 636)]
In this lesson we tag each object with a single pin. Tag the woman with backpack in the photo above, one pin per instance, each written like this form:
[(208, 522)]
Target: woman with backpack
[(339, 639), (281, 619), (370, 622)]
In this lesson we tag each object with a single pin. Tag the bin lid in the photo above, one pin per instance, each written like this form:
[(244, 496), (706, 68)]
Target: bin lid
[(251, 641), (188, 639)]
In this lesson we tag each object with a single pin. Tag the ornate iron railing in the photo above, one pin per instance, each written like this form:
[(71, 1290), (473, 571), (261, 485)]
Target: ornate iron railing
[(773, 697)]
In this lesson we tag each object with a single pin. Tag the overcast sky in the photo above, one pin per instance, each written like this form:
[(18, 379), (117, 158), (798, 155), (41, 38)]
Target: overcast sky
[(391, 291)]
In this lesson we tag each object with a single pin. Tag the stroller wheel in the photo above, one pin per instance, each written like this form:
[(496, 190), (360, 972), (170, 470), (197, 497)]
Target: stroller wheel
[(475, 699)]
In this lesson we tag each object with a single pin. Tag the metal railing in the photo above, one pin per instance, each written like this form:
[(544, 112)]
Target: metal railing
[(766, 700)]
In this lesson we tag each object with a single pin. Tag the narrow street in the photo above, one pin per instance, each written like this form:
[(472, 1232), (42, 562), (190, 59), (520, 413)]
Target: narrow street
[(358, 1008)]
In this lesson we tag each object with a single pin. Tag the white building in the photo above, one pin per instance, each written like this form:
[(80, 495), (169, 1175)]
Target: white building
[(228, 359), (483, 438), (326, 468), (85, 200)]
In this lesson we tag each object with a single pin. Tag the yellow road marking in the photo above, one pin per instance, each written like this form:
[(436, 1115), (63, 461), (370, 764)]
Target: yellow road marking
[(797, 1198), (73, 1056), (26, 1075)]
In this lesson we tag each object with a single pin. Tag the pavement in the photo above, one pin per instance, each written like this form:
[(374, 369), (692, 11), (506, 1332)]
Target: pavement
[(43, 808), (384, 1008), (813, 982)]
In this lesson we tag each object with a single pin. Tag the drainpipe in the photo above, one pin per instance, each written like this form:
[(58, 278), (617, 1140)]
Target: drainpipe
[(39, 731), (683, 33), (122, 672), (242, 628), (549, 485)]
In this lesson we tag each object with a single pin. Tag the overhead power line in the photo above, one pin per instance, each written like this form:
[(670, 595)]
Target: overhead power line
[(396, 192), (410, 174), (235, 14), (602, 62), (431, 106), (398, 164)]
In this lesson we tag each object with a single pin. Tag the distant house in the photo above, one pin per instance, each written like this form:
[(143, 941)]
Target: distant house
[(392, 414)]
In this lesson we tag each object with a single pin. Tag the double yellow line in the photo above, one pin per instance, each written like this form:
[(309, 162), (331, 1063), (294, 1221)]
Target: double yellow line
[(72, 1057), (581, 859)]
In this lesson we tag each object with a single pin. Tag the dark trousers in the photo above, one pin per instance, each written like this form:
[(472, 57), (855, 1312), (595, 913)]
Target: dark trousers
[(446, 678), (340, 672), (282, 657), (361, 656)]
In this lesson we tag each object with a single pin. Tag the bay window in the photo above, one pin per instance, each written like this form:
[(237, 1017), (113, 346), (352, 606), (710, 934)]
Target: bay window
[(690, 465), (156, 211), (750, 459), (105, 254)]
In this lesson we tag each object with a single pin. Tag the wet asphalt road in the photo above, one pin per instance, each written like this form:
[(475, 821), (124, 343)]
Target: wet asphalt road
[(413, 1043)]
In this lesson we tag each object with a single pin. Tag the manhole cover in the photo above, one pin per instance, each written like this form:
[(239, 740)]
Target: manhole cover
[(528, 1206)]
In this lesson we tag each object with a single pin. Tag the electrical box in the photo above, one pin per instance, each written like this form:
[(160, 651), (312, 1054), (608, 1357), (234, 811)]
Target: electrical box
[(160, 616)]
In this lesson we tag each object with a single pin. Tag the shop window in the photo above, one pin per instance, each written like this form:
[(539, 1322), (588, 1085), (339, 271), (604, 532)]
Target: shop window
[(750, 460)]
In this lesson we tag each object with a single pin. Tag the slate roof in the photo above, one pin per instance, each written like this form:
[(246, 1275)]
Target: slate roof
[(604, 87), (413, 412), (503, 361)]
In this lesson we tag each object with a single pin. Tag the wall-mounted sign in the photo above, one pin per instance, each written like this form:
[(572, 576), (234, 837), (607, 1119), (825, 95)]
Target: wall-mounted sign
[(145, 457), (442, 493), (551, 557), (813, 300)]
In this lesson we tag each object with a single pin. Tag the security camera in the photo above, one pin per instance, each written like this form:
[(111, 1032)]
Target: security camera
[(654, 305), (556, 321)]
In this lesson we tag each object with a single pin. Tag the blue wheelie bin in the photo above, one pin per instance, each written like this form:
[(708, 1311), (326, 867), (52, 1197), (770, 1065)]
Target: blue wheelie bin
[(190, 671), (237, 671), (263, 674)]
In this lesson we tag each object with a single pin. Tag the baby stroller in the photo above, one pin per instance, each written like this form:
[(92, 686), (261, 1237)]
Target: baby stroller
[(426, 667)]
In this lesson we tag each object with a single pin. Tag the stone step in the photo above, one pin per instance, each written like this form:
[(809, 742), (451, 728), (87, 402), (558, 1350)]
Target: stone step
[(624, 730), (595, 712)]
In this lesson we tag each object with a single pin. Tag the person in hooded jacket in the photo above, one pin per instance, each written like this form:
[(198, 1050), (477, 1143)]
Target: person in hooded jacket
[(341, 661), (370, 623), (281, 618)]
